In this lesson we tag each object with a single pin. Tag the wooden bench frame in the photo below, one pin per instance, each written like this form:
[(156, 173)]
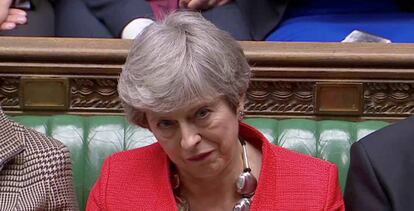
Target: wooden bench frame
[(307, 80)]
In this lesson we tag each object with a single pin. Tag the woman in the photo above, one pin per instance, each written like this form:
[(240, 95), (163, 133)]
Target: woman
[(185, 80)]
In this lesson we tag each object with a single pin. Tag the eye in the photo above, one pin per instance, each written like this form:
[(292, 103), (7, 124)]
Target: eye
[(202, 113), (165, 124)]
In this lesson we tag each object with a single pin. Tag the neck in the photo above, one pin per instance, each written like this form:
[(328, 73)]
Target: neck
[(216, 194)]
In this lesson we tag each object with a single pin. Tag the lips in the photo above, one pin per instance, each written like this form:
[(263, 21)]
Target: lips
[(200, 157)]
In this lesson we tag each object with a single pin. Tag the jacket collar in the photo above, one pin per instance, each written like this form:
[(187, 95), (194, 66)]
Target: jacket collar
[(11, 143), (264, 189)]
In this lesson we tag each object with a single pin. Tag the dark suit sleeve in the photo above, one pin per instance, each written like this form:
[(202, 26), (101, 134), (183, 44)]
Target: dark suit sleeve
[(116, 14), (363, 188), (262, 16)]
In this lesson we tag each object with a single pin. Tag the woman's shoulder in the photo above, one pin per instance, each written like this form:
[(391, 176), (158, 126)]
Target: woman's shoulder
[(125, 174), (150, 152), (289, 159), (292, 176), (133, 165)]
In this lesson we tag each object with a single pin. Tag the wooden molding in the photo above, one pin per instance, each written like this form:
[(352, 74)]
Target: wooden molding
[(289, 79)]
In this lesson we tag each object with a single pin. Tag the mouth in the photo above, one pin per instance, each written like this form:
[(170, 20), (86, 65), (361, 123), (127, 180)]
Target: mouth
[(200, 157)]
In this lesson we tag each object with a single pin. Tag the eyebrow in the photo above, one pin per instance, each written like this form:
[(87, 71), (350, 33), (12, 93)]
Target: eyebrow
[(193, 109), (204, 104)]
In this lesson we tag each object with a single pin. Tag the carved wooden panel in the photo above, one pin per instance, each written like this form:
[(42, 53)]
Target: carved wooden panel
[(389, 98), (44, 93), (279, 97), (338, 98), (9, 92), (283, 83), (94, 94)]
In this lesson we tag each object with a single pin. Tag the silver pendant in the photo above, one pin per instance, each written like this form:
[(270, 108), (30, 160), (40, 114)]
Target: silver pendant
[(242, 205), (246, 184)]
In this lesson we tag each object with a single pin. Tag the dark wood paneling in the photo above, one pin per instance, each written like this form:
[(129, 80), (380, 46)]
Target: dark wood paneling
[(371, 80)]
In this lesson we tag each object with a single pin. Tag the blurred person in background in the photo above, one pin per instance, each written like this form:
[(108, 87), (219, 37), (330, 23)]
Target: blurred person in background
[(243, 19), (38, 20), (126, 19), (9, 17)]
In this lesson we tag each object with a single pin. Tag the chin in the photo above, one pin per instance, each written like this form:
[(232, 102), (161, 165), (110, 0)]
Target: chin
[(207, 171)]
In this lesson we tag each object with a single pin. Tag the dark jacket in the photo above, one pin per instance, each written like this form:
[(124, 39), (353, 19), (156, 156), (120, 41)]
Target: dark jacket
[(261, 16), (381, 171)]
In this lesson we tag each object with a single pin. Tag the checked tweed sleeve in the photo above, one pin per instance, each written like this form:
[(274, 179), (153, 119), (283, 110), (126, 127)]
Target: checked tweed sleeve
[(46, 174), (59, 175)]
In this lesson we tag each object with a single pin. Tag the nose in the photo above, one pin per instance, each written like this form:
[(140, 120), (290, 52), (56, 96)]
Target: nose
[(190, 136)]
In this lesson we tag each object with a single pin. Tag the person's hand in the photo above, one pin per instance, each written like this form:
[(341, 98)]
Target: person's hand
[(202, 4), (9, 17)]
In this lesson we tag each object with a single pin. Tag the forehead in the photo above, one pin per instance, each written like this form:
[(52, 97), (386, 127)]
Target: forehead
[(189, 108)]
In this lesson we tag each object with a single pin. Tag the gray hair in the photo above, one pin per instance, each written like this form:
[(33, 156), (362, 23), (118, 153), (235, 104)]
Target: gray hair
[(179, 60)]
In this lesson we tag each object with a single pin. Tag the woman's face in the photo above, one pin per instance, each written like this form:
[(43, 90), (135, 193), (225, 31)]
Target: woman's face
[(201, 139)]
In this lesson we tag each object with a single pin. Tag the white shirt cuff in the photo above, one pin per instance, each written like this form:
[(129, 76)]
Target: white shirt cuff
[(135, 28)]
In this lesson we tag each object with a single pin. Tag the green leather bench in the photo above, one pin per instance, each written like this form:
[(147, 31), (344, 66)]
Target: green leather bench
[(91, 139)]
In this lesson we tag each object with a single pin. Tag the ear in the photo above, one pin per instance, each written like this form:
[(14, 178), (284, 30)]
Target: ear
[(144, 122), (240, 107), (141, 121)]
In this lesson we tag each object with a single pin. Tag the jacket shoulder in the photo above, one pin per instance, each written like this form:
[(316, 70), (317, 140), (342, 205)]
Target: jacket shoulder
[(290, 176), (388, 148), (43, 149), (151, 158), (125, 174), (401, 132), (295, 159), (150, 152), (35, 141)]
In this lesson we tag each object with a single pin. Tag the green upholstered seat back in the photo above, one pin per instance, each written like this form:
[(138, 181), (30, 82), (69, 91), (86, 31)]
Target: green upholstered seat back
[(328, 139), (92, 139)]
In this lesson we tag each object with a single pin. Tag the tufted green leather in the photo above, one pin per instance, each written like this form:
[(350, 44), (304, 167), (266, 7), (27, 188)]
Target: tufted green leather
[(92, 139), (328, 139)]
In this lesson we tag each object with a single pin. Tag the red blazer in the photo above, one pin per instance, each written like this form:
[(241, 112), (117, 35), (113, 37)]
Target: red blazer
[(139, 180)]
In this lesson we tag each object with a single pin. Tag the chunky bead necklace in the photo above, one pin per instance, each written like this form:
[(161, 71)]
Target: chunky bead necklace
[(245, 184)]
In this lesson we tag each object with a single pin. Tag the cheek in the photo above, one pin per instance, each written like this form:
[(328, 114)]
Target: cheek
[(224, 133), (169, 147), (165, 134), (166, 140)]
